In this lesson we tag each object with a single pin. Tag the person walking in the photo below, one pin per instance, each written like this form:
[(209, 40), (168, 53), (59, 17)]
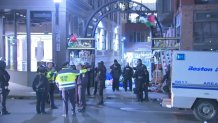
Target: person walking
[(40, 86), (4, 83), (127, 75), (140, 76), (115, 72), (51, 74), (66, 81)]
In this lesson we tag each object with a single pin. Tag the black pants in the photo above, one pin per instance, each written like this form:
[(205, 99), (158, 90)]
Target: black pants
[(3, 97), (126, 82), (51, 94), (88, 86), (69, 95), (40, 100), (146, 93), (100, 92), (95, 87), (115, 84), (83, 95), (140, 89)]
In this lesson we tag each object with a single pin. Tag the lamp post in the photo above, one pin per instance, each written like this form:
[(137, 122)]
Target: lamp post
[(56, 41), (57, 31), (57, 2)]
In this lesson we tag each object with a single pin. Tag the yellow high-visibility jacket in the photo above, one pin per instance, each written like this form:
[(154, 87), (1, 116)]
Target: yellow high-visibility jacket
[(50, 75), (66, 78)]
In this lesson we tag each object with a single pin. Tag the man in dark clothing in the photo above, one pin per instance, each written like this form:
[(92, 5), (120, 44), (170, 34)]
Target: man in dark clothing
[(101, 77), (95, 80), (127, 75), (4, 83), (142, 80), (40, 86), (115, 72), (103, 66)]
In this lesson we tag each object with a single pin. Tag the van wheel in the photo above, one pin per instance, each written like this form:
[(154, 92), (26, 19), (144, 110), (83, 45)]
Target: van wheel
[(205, 110)]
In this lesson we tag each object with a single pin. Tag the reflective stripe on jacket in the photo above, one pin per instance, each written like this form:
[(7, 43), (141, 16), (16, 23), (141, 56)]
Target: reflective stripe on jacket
[(66, 78)]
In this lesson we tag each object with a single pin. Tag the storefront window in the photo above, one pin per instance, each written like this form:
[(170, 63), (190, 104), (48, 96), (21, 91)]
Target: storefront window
[(14, 29), (41, 38)]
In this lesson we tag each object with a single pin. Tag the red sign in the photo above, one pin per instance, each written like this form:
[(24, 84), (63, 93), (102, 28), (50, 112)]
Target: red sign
[(73, 38), (151, 18)]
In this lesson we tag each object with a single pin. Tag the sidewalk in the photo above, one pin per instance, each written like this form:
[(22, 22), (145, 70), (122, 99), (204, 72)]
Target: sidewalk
[(20, 91)]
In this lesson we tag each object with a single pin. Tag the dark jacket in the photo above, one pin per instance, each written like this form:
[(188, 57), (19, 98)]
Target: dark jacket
[(127, 72), (116, 70), (40, 82), (102, 73), (142, 73), (4, 78)]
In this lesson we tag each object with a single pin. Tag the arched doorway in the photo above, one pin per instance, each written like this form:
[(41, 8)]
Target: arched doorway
[(126, 6)]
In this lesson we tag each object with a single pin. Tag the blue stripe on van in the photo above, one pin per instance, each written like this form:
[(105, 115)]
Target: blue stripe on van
[(195, 87)]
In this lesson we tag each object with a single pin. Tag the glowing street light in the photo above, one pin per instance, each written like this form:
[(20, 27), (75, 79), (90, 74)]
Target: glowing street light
[(57, 1)]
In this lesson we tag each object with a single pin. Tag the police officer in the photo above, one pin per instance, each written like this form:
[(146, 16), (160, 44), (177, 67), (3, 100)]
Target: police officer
[(51, 74), (66, 81), (115, 72), (4, 83), (83, 80), (141, 76), (127, 75), (40, 86)]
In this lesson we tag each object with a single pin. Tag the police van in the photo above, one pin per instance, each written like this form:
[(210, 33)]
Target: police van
[(194, 83)]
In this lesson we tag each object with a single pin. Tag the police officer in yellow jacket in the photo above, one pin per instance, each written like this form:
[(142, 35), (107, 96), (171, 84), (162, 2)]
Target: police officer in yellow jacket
[(66, 81), (51, 74)]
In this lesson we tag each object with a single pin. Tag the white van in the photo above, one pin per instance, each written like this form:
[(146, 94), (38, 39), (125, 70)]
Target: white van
[(194, 83)]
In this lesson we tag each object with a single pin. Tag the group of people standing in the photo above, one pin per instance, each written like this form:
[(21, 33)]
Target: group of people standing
[(140, 75), (71, 82)]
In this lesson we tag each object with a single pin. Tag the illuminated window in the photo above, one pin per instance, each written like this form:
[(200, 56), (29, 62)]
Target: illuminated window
[(41, 38)]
